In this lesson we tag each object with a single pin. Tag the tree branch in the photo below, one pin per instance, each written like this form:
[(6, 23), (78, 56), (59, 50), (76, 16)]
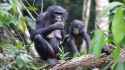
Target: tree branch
[(87, 61)]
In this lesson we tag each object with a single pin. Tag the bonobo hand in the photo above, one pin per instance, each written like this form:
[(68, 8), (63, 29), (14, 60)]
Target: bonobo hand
[(59, 25)]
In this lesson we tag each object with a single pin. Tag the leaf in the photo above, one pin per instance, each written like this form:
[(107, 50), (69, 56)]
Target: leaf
[(25, 58), (5, 6), (13, 50), (118, 25), (16, 7), (19, 62), (22, 25), (114, 4), (98, 43), (19, 44), (116, 54), (6, 18), (22, 60), (110, 8), (120, 66)]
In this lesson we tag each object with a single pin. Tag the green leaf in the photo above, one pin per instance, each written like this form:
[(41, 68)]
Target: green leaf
[(120, 66), (22, 60), (5, 6), (25, 58), (111, 7), (116, 54), (114, 4), (6, 18), (13, 50), (98, 43), (22, 24), (118, 25), (19, 62), (19, 44)]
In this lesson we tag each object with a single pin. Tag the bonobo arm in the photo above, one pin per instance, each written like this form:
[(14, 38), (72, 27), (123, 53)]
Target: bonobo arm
[(86, 37), (63, 34), (50, 28), (72, 45)]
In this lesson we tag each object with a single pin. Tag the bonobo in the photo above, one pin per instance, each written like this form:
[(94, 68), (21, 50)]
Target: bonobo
[(76, 36), (49, 33)]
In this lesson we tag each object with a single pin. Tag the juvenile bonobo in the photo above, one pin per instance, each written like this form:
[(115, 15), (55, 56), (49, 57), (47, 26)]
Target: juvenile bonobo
[(76, 36), (49, 33)]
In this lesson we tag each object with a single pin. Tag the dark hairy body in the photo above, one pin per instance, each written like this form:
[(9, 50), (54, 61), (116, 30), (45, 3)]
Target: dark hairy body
[(76, 36), (49, 33)]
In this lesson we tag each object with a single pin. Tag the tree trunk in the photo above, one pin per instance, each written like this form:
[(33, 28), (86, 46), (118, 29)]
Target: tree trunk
[(86, 12), (102, 21)]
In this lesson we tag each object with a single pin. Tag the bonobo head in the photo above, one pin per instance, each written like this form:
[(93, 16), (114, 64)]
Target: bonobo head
[(57, 13), (76, 27)]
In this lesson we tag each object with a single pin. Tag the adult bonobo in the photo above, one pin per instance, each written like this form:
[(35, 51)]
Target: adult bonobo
[(76, 36), (49, 33)]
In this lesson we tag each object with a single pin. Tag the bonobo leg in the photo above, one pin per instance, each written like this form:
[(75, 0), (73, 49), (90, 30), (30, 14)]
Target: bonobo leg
[(86, 37), (55, 45), (45, 50)]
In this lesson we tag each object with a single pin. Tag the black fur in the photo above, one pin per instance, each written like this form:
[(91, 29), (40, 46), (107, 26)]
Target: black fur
[(49, 32)]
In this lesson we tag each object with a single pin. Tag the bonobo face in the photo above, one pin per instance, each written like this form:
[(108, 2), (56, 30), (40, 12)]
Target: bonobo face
[(76, 30), (58, 17), (77, 26), (57, 13)]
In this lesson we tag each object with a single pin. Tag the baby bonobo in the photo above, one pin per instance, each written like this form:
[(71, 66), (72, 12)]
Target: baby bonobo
[(76, 38)]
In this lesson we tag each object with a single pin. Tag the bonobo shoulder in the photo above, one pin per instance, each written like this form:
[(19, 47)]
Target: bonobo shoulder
[(41, 15)]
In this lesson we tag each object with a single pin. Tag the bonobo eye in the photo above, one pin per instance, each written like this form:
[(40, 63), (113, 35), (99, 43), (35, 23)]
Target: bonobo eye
[(58, 17)]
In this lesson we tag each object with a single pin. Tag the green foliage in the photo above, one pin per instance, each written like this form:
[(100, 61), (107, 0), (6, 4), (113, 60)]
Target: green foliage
[(98, 42), (110, 10), (23, 60), (17, 56), (118, 66), (62, 54), (5, 18), (116, 54), (118, 32), (15, 23), (118, 25), (112, 5), (22, 24)]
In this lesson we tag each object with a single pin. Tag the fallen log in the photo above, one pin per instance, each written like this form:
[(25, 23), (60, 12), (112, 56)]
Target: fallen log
[(86, 61)]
